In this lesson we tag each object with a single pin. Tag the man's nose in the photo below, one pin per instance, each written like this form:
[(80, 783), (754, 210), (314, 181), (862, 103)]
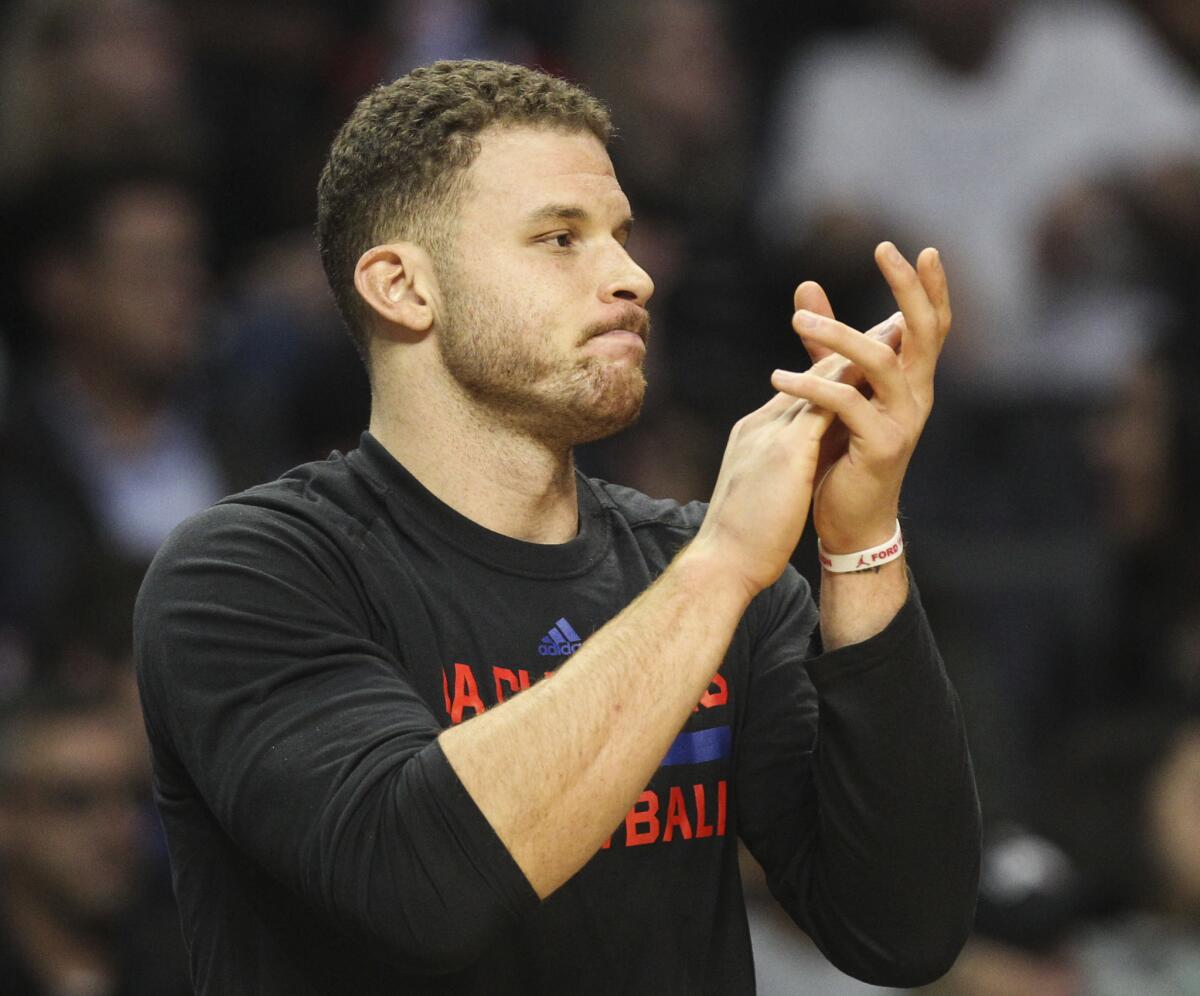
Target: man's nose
[(629, 282)]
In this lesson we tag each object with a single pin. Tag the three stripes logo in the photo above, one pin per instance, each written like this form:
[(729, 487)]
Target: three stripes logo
[(561, 641)]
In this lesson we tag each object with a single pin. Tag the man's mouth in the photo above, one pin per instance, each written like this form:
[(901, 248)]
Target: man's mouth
[(622, 335), (633, 324)]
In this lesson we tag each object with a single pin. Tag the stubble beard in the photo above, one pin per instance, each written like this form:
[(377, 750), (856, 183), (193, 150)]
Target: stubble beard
[(503, 363)]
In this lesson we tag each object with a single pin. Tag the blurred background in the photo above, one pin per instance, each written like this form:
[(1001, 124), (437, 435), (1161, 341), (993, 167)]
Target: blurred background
[(166, 337)]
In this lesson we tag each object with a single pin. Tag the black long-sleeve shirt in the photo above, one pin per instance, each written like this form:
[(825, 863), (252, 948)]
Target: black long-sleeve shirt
[(301, 645)]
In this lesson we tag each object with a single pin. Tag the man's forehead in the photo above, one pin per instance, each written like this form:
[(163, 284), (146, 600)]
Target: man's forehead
[(524, 164)]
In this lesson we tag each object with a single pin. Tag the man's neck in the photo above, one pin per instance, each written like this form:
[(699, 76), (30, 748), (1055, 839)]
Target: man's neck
[(494, 474)]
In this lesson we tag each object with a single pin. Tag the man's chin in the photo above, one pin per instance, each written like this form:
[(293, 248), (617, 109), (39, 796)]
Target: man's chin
[(613, 404), (599, 399), (605, 425)]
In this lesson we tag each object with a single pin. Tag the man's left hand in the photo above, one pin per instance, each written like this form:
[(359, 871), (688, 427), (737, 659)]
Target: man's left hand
[(858, 491)]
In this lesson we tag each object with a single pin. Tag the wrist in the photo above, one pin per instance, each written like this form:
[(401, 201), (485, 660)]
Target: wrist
[(861, 537), (707, 569), (865, 559)]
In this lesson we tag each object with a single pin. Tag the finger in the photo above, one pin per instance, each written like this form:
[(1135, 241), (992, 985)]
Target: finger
[(780, 402), (819, 419), (890, 331), (811, 296), (933, 278), (824, 396), (875, 360), (923, 340)]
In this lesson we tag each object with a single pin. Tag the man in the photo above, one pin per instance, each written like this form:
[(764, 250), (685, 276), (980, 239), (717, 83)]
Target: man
[(74, 911), (366, 786)]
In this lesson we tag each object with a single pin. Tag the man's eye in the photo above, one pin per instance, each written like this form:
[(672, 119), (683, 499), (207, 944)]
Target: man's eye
[(564, 240)]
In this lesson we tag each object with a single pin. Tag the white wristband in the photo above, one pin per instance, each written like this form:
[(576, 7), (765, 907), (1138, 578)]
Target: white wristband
[(864, 560)]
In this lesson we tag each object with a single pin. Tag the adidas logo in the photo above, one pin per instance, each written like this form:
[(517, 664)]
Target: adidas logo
[(561, 641)]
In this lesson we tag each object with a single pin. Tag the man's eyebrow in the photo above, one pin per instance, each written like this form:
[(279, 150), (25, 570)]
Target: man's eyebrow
[(571, 212), (559, 212)]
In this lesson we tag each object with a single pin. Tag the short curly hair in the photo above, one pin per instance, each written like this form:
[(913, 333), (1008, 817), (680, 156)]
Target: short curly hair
[(396, 166)]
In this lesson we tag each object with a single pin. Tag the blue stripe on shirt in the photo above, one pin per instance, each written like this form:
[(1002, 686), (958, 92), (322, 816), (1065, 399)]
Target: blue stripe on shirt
[(703, 745)]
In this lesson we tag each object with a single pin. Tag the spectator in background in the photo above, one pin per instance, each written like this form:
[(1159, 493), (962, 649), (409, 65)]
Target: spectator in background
[(271, 80), (959, 124), (83, 647), (1128, 243), (1110, 904), (106, 442), (78, 915), (283, 366), (83, 84), (1123, 801), (1030, 903), (1143, 444), (87, 82)]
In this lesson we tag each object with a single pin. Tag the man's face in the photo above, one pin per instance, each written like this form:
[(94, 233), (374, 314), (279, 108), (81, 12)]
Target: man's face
[(70, 820), (543, 316)]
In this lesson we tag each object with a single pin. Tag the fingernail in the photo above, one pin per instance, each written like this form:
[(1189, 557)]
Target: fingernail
[(806, 319), (894, 254), (937, 259)]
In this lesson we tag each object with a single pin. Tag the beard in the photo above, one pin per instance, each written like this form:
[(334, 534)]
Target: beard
[(503, 362)]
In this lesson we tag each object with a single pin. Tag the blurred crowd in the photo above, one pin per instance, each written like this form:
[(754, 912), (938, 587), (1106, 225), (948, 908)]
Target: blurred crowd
[(166, 337)]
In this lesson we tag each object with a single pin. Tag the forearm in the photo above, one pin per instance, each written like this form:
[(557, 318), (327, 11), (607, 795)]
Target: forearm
[(556, 768), (899, 813), (859, 605), (886, 884)]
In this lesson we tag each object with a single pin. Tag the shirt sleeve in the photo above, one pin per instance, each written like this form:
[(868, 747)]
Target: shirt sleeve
[(856, 792), (309, 745)]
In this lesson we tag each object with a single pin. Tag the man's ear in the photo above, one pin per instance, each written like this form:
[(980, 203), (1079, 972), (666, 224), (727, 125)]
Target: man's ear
[(398, 283)]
